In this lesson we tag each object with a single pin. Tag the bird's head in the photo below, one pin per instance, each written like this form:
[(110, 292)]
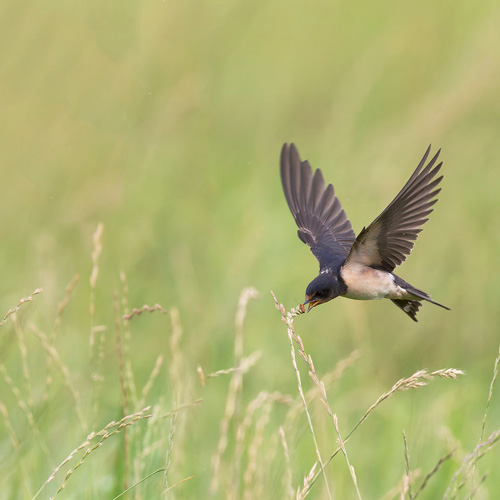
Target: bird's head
[(323, 288)]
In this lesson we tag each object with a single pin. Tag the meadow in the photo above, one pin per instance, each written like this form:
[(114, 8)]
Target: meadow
[(150, 265)]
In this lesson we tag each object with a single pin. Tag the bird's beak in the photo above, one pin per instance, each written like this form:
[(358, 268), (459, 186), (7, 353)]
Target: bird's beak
[(310, 304)]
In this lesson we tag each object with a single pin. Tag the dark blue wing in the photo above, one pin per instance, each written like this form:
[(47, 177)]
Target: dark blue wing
[(389, 239), (323, 225)]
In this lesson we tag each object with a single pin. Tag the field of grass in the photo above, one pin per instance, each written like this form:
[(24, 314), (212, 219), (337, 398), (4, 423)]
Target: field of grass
[(140, 165)]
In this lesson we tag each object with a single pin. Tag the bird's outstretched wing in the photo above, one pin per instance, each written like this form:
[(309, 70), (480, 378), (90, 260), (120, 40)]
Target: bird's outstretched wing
[(322, 223), (386, 242)]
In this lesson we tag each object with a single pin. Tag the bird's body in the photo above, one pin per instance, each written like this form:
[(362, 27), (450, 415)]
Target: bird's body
[(359, 267), (366, 283)]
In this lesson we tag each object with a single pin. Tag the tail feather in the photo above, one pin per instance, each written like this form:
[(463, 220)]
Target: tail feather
[(420, 294), (409, 307), (424, 296)]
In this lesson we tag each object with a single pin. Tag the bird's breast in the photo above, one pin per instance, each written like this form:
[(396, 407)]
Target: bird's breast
[(366, 283)]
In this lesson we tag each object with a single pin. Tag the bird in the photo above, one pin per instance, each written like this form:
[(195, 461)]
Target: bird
[(359, 267)]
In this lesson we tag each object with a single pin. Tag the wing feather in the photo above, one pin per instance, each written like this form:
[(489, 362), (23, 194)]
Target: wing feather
[(389, 239), (322, 223)]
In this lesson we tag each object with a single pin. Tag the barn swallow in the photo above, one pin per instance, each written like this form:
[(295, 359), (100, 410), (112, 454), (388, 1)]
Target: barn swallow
[(359, 267)]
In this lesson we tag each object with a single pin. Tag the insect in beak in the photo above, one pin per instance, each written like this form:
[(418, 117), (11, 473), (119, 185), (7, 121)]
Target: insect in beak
[(310, 304)]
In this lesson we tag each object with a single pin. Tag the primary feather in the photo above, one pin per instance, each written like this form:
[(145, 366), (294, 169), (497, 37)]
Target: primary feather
[(389, 239), (322, 222)]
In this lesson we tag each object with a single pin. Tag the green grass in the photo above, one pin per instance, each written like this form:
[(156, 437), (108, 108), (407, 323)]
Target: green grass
[(177, 430), (164, 121)]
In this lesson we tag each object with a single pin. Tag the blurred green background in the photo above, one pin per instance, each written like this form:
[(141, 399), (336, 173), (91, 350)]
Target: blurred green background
[(164, 121)]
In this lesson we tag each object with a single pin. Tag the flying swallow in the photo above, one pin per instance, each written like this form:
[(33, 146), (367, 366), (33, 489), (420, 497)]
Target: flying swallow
[(359, 267)]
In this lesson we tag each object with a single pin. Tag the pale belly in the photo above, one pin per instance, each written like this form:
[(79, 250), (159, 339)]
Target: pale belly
[(365, 283)]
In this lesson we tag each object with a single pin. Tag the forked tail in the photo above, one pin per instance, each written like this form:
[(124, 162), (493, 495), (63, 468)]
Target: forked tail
[(410, 306)]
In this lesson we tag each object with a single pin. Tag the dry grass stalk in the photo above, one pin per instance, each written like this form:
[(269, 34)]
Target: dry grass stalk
[(8, 426), (62, 306), (405, 487), (235, 386), (181, 389), (246, 295), (26, 472), (408, 476), (476, 488), (27, 410), (263, 398), (119, 352), (168, 454), (96, 252), (128, 490), (328, 379), (16, 308), (293, 338), (184, 406), (60, 309), (170, 488), (52, 352), (126, 340), (468, 463), (324, 400), (262, 402), (490, 394), (123, 387), (266, 457), (201, 375), (313, 473), (151, 379), (97, 363), (175, 365), (441, 461), (96, 334), (245, 365), (401, 486), (148, 444), (419, 379), (109, 430), (485, 416), (175, 368), (175, 371), (287, 477), (341, 445), (144, 308), (265, 474), (24, 359), (138, 465), (488, 401)]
